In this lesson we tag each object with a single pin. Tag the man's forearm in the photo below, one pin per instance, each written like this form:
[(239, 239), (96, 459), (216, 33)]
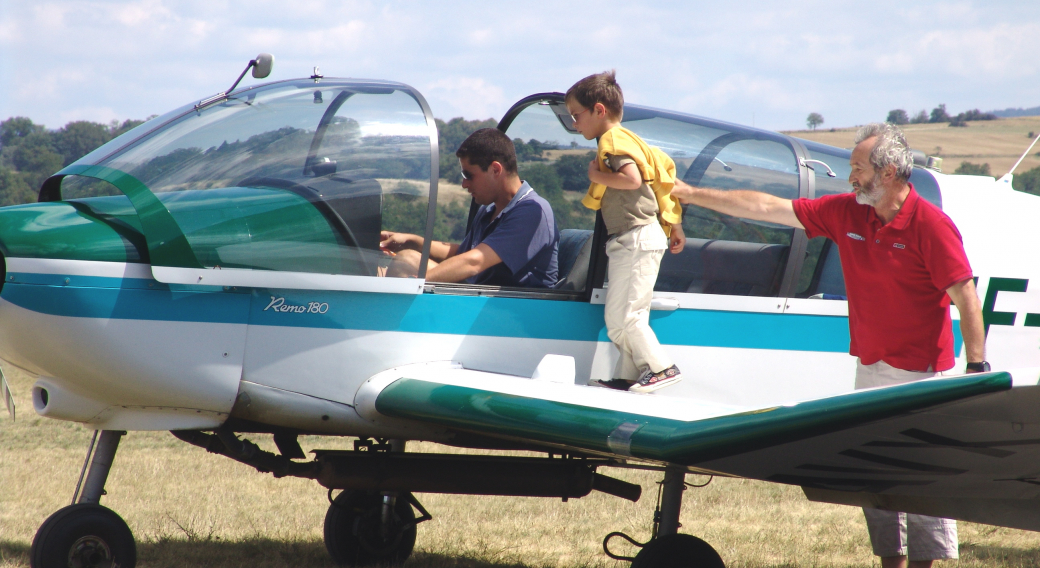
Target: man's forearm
[(742, 203), (462, 266), (973, 329), (454, 269), (439, 251)]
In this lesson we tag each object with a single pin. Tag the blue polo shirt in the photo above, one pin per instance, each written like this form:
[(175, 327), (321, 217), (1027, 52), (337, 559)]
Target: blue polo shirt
[(524, 236)]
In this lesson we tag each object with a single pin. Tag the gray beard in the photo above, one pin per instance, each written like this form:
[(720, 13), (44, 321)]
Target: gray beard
[(870, 195)]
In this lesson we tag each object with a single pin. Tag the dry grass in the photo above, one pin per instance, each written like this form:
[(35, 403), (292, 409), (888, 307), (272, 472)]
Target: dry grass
[(998, 143), (189, 508)]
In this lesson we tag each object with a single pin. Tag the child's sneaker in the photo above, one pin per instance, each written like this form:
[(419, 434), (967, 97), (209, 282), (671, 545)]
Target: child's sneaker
[(651, 381), (616, 384)]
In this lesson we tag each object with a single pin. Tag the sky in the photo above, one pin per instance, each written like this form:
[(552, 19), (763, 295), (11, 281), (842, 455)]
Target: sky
[(762, 63)]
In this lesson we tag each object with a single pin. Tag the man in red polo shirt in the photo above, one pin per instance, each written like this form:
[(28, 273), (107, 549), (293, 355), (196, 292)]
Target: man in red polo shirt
[(903, 262)]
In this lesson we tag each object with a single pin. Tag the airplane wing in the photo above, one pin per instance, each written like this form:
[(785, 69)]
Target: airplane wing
[(964, 447)]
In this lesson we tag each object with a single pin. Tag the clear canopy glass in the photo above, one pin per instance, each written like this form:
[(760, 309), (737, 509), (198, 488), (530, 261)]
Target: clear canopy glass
[(294, 176)]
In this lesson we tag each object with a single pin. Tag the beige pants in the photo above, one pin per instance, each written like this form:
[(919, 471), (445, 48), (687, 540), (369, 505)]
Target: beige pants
[(635, 258), (918, 537)]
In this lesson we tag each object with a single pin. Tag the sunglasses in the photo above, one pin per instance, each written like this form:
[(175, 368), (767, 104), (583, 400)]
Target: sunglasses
[(574, 117)]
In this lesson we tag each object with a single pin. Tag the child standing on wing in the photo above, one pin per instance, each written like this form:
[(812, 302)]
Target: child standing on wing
[(631, 187)]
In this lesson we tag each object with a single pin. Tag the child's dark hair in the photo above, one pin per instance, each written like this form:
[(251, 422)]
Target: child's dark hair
[(599, 88), (488, 145)]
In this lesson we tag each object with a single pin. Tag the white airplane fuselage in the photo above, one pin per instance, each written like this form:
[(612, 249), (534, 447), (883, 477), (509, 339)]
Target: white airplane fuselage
[(116, 349)]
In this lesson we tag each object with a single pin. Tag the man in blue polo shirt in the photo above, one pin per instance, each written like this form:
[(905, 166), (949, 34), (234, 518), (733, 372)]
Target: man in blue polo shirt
[(513, 239)]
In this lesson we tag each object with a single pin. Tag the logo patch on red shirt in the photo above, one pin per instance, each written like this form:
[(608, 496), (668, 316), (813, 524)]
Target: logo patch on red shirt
[(899, 245), (854, 236)]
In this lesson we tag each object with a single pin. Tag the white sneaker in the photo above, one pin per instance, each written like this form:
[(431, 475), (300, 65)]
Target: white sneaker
[(651, 381)]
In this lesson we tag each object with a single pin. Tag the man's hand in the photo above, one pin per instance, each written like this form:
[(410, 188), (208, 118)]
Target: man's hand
[(676, 240), (394, 242)]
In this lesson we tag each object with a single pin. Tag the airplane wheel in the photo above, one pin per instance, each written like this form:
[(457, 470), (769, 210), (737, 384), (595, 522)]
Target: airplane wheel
[(353, 534), (678, 551), (85, 535)]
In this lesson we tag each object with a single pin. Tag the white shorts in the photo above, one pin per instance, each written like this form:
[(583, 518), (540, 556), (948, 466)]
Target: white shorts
[(904, 534), (915, 536)]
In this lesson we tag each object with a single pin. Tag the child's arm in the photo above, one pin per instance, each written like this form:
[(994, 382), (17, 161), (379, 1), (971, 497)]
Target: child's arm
[(626, 178)]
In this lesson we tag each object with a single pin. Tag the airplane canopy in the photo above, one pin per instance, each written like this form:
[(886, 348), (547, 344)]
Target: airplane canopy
[(296, 176)]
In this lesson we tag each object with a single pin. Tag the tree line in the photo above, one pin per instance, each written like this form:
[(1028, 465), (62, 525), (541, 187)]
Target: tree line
[(30, 153), (938, 114)]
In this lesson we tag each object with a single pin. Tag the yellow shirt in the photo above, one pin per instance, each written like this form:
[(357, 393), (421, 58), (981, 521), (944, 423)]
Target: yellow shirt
[(655, 167)]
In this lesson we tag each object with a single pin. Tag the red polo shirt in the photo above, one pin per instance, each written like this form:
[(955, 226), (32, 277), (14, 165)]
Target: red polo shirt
[(896, 276)]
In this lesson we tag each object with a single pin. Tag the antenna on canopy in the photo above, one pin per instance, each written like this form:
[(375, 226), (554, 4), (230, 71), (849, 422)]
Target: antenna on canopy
[(1010, 175), (261, 67)]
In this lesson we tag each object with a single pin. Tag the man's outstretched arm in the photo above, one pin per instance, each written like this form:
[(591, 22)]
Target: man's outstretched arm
[(740, 203)]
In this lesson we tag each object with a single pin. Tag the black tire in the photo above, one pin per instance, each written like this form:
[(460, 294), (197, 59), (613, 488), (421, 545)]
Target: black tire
[(678, 551), (85, 535), (352, 530)]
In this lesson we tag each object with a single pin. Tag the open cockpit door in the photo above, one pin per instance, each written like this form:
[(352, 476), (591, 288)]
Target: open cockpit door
[(285, 185)]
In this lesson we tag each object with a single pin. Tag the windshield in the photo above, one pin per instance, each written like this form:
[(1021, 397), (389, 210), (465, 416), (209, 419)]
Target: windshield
[(296, 176), (274, 131)]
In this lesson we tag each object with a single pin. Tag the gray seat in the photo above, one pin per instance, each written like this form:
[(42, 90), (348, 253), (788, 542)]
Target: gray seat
[(573, 258), (724, 267)]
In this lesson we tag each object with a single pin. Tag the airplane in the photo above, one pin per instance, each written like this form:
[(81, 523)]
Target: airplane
[(215, 272)]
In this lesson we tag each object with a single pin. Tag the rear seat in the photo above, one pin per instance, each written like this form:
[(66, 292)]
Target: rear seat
[(573, 259), (724, 267)]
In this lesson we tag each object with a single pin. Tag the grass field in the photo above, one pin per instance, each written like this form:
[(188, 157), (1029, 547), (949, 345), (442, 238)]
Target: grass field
[(998, 143), (190, 508)]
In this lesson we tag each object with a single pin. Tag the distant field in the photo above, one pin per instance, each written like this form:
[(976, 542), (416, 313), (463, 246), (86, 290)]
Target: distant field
[(996, 142), (190, 508)]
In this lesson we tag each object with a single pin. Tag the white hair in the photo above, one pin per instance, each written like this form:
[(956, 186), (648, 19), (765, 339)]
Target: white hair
[(890, 148)]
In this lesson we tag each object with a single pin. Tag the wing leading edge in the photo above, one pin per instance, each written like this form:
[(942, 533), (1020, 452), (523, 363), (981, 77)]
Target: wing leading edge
[(652, 437)]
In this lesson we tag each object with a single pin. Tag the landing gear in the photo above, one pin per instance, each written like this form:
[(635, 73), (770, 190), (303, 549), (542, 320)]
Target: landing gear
[(678, 551), (85, 534), (363, 528), (666, 547)]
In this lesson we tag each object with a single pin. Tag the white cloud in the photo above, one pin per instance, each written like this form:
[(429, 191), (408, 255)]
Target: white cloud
[(470, 97)]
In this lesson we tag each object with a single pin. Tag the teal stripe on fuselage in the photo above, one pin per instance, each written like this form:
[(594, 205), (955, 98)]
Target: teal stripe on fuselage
[(142, 299)]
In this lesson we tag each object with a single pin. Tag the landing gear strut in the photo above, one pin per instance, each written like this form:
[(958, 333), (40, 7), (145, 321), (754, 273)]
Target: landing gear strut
[(85, 534), (364, 528), (667, 548)]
